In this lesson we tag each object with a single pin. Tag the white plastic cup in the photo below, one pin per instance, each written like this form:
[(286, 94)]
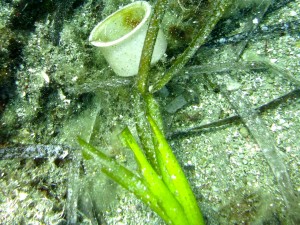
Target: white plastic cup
[(121, 37)]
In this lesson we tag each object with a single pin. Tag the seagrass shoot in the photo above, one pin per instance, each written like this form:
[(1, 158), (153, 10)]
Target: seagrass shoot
[(131, 40)]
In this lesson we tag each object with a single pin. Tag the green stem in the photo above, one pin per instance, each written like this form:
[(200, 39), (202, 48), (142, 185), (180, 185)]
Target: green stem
[(161, 192), (123, 177), (174, 177), (145, 62), (153, 110), (144, 131), (214, 16)]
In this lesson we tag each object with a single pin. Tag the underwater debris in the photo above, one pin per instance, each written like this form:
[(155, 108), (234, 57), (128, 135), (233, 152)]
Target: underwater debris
[(34, 151)]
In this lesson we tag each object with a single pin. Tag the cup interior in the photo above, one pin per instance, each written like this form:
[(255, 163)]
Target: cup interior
[(120, 23)]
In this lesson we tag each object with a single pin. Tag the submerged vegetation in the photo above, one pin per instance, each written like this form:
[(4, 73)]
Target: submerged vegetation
[(212, 126), (169, 169), (160, 182)]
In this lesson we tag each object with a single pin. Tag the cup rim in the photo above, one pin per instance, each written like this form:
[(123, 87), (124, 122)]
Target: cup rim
[(100, 43)]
